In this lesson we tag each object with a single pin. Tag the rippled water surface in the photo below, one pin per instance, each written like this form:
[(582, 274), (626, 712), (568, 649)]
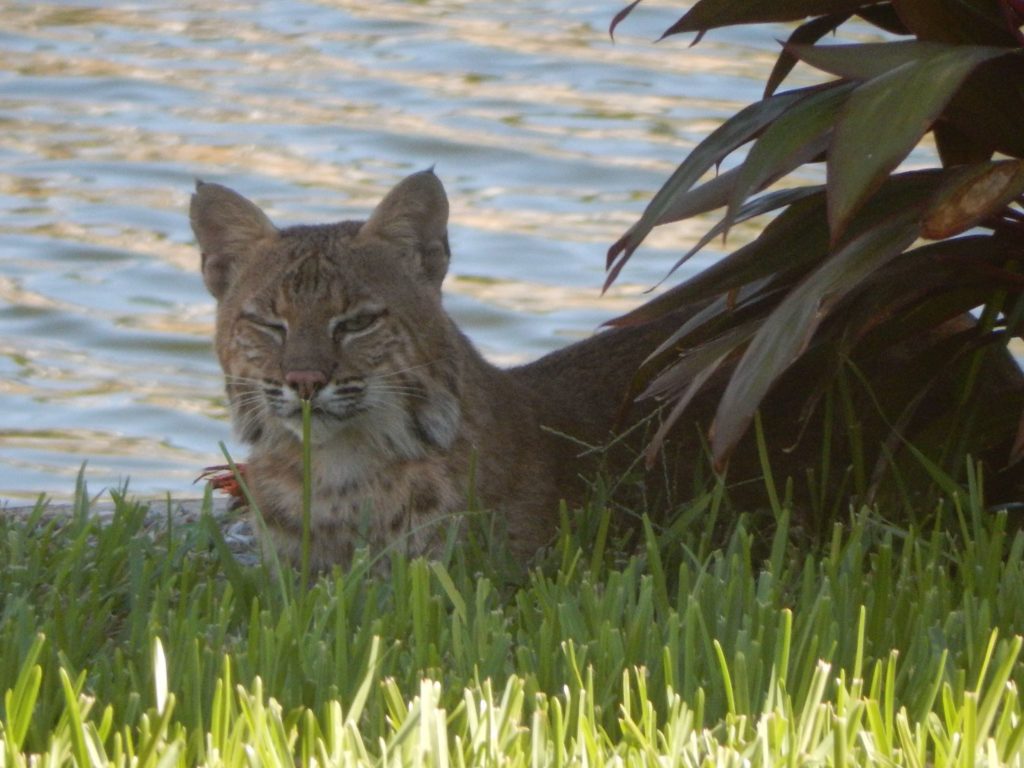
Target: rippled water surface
[(549, 138)]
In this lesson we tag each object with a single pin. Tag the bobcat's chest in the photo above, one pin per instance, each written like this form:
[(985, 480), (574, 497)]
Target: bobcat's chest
[(356, 502)]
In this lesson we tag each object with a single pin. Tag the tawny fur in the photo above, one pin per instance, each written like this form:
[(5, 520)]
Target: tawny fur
[(407, 415), (410, 422)]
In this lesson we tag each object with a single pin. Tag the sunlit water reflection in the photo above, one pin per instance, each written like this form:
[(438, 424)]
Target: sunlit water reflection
[(549, 138)]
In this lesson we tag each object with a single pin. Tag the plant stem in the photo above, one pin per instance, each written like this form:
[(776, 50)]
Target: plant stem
[(307, 490)]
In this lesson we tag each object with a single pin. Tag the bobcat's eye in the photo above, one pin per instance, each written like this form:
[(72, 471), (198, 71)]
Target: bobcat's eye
[(268, 325), (360, 321)]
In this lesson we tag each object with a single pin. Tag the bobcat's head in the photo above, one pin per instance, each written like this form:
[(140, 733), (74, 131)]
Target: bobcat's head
[(347, 316)]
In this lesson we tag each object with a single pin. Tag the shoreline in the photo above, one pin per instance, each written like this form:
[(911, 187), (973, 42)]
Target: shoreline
[(233, 522)]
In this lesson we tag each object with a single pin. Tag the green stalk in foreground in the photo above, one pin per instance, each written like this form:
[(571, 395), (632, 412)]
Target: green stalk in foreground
[(307, 488), (877, 645)]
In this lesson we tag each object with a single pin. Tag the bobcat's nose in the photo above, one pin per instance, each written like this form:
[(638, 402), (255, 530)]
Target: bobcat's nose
[(306, 383)]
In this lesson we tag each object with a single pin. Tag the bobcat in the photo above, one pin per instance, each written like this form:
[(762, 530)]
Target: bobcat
[(408, 420)]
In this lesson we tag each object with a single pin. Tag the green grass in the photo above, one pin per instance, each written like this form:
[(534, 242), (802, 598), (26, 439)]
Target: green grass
[(752, 645)]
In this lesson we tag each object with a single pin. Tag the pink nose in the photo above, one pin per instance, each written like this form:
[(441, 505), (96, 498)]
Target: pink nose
[(306, 383)]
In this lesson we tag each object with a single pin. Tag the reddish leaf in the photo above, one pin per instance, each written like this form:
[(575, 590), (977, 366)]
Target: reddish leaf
[(671, 381), (763, 204), (927, 286), (883, 17), (735, 132), (620, 16), (976, 193), (957, 148), (710, 14), (977, 22), (719, 318), (885, 118), (695, 385), (797, 236), (807, 33), (788, 330), (865, 61), (708, 196), (798, 136)]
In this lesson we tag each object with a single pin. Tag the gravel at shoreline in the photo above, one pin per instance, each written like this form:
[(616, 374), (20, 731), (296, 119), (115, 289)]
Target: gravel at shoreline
[(234, 524)]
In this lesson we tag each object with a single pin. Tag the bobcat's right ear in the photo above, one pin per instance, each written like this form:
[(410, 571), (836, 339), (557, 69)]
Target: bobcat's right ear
[(227, 227), (414, 216)]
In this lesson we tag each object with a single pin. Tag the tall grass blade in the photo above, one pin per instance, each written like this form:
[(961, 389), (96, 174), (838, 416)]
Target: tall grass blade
[(20, 701), (307, 488)]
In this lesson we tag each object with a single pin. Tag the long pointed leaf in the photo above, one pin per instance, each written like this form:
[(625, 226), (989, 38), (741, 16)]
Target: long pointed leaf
[(791, 243), (971, 266), (806, 34), (708, 196), (712, 194), (714, 322), (732, 134), (883, 17), (696, 384), (798, 236), (620, 17), (955, 21), (797, 137), (763, 204), (866, 61), (787, 331), (689, 364), (884, 119), (710, 14)]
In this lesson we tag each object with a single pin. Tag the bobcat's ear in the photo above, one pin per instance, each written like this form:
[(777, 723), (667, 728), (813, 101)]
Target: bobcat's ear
[(414, 215), (227, 227)]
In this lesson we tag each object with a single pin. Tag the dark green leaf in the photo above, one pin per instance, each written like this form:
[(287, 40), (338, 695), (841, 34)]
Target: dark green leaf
[(957, 148), (752, 301), (798, 136), (690, 362), (798, 236), (789, 245), (693, 387), (763, 204), (710, 195), (712, 321), (865, 61), (807, 33), (970, 22), (735, 132), (962, 271), (885, 18), (974, 194), (710, 14), (884, 119), (989, 106), (788, 330)]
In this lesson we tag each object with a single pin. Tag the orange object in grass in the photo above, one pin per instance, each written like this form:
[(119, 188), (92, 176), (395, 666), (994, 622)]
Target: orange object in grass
[(222, 478)]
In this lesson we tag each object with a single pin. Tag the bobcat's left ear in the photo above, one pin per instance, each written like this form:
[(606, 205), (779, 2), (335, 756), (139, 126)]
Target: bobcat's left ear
[(228, 228), (414, 215)]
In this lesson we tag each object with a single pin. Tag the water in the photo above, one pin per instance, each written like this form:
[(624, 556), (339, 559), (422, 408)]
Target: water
[(549, 138)]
